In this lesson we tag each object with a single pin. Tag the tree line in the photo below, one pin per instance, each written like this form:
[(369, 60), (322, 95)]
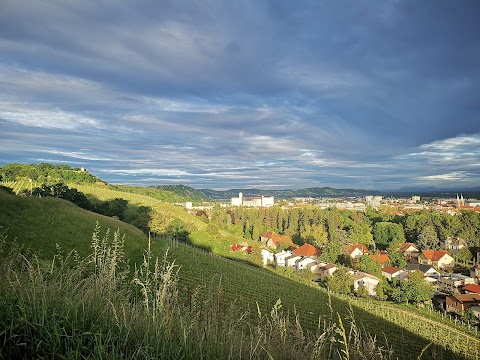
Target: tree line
[(333, 229), (46, 173)]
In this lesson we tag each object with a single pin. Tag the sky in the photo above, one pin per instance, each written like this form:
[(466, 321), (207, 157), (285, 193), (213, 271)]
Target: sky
[(264, 94)]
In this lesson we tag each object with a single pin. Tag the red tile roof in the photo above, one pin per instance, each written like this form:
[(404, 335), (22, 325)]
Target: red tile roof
[(390, 269), (472, 288), (404, 247), (380, 258), (361, 247), (270, 235), (236, 247), (307, 250), (434, 255)]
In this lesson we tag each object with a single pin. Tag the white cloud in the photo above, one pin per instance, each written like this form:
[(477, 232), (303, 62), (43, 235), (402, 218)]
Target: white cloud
[(452, 176), (40, 117)]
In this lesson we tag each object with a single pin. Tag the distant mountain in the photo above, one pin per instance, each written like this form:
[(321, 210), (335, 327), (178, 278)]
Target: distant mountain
[(315, 192), (436, 192)]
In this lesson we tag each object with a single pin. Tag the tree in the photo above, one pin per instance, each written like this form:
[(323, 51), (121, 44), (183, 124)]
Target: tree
[(463, 255), (428, 239), (366, 264), (397, 259), (178, 230), (413, 290), (360, 233), (341, 282), (385, 233)]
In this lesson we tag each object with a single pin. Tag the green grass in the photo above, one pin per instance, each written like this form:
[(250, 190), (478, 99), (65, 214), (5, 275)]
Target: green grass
[(174, 193), (40, 224), (90, 309), (104, 193)]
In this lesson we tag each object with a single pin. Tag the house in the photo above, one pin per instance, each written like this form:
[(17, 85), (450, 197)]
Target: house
[(426, 270), (462, 302), (409, 250), (326, 270), (391, 273), (449, 284), (466, 280), (267, 256), (279, 241), (275, 241), (438, 258), (267, 235), (291, 261), (369, 282), (357, 250), (280, 257), (314, 267), (381, 258), (307, 250), (303, 263), (454, 244), (471, 289)]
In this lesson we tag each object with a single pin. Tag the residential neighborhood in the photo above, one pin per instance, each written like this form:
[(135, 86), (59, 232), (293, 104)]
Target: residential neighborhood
[(437, 269)]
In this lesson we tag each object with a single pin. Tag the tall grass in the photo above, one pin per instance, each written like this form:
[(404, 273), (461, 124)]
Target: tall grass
[(73, 308)]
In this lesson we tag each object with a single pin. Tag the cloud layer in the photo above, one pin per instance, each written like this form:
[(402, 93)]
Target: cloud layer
[(250, 94)]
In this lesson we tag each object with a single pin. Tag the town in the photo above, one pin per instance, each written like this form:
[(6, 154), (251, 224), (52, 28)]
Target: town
[(451, 271)]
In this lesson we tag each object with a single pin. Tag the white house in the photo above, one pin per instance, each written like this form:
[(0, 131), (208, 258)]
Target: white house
[(280, 257), (356, 251), (391, 273), (369, 282), (315, 266), (454, 244), (291, 260), (437, 258), (326, 270), (267, 256), (303, 263), (409, 250)]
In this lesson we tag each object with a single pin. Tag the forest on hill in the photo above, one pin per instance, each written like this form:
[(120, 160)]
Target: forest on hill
[(46, 173)]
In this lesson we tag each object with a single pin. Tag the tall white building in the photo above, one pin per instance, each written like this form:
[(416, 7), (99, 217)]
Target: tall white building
[(254, 201)]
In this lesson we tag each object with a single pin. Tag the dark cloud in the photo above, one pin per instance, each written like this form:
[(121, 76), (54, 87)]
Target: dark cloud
[(228, 94)]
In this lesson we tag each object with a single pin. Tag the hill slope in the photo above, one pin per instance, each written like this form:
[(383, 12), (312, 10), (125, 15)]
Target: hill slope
[(39, 224)]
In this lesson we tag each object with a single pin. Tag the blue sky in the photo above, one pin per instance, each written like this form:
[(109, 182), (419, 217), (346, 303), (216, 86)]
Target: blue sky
[(227, 94)]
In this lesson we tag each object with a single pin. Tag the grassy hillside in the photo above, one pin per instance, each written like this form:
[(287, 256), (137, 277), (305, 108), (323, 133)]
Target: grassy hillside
[(40, 224), (163, 214), (169, 193)]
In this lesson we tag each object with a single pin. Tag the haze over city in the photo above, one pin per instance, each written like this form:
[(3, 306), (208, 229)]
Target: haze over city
[(224, 94)]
